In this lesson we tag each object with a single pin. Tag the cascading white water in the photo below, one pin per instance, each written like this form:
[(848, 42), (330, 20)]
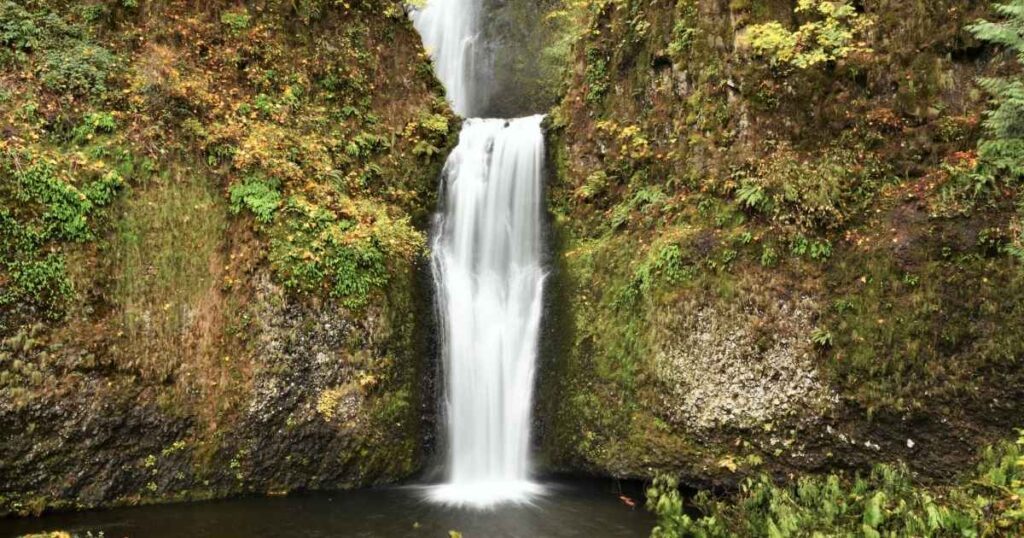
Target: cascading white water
[(490, 277), (489, 274), (450, 30)]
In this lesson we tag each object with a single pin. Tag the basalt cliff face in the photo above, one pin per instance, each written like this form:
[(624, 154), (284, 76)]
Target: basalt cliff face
[(213, 220), (770, 254)]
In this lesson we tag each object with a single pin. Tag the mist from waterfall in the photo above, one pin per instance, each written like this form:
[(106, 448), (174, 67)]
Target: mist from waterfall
[(489, 275)]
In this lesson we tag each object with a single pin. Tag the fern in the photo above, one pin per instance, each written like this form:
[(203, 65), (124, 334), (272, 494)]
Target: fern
[(262, 198), (753, 196), (1002, 147)]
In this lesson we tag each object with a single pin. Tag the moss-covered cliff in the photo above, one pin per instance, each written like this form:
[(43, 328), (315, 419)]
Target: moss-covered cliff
[(212, 219), (774, 250)]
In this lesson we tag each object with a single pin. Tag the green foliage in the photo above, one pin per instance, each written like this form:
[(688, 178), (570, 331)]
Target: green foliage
[(350, 257), (70, 62), (684, 31), (237, 21), (831, 35), (751, 195), (816, 194), (1003, 145), (82, 69), (593, 186), (596, 75), (18, 29), (430, 131), (1001, 486), (560, 30), (94, 123), (41, 281), (815, 249), (664, 499), (822, 337), (883, 503), (50, 210), (968, 186), (435, 124), (261, 197), (664, 265)]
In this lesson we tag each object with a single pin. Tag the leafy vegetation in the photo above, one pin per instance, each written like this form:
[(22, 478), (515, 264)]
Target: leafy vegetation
[(82, 69), (1001, 149), (884, 502), (820, 194), (348, 255), (53, 209), (262, 198), (1003, 144), (832, 34)]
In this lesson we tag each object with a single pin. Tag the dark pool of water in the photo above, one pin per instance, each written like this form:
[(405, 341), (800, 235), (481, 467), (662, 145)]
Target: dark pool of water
[(585, 509)]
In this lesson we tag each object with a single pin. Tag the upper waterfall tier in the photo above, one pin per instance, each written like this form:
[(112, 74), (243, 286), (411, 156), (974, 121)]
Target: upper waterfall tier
[(450, 30)]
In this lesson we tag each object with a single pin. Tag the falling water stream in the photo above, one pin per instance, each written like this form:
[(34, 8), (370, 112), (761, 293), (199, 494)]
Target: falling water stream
[(488, 272), (487, 262)]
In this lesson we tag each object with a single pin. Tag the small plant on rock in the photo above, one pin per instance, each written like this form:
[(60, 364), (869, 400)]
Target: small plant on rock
[(831, 35)]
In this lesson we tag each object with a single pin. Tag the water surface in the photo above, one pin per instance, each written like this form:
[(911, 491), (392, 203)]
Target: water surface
[(584, 509)]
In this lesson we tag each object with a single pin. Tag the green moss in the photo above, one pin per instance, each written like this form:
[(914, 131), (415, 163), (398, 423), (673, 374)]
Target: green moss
[(909, 340)]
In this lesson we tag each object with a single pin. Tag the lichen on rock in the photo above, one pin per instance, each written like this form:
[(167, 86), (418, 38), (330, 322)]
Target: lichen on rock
[(718, 371)]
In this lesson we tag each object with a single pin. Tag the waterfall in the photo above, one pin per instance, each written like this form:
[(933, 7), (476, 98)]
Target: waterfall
[(489, 275), (450, 30), (487, 262)]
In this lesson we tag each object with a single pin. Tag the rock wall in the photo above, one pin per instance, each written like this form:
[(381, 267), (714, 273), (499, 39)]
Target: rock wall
[(243, 310), (765, 266)]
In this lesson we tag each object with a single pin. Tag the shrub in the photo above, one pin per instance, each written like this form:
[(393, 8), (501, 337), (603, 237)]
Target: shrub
[(41, 281), (684, 31), (883, 503), (18, 29), (831, 36), (82, 70), (93, 123), (47, 211), (820, 193), (349, 255), (237, 21), (596, 75)]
